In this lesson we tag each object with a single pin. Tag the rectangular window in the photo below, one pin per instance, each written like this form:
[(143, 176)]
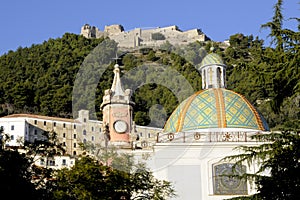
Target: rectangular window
[(64, 125), (35, 122), (74, 126), (74, 145), (226, 180), (64, 135), (35, 132), (45, 123), (74, 136), (54, 124), (12, 137), (64, 162), (51, 163), (12, 127)]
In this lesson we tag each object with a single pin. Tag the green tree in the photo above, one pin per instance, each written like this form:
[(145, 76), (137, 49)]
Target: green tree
[(268, 76), (278, 158), (93, 179), (276, 26), (15, 176), (32, 77), (20, 178)]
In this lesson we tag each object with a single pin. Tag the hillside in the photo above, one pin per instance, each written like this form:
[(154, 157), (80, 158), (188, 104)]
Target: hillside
[(40, 79)]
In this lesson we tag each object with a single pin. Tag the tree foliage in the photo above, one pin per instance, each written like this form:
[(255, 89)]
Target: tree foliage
[(20, 178), (278, 156), (268, 76), (39, 79), (278, 160), (15, 178), (91, 179), (110, 176)]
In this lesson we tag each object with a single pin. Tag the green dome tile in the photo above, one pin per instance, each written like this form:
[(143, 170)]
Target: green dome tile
[(212, 59)]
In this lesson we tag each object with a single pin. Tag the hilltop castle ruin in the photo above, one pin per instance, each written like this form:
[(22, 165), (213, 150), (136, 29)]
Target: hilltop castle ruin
[(139, 37)]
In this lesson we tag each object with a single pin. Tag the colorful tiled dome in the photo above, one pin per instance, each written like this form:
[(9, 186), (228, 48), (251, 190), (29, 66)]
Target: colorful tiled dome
[(215, 108), (212, 59)]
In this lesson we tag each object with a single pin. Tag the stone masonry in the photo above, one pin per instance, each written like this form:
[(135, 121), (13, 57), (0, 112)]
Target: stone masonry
[(139, 37)]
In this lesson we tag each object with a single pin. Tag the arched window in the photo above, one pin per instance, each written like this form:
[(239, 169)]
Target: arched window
[(219, 81), (210, 77), (204, 79), (84, 132)]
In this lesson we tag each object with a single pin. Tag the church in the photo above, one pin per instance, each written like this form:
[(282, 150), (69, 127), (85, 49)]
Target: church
[(187, 151), (200, 132)]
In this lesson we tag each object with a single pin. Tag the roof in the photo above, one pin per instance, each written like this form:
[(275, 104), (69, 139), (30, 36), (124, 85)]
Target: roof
[(215, 108), (39, 117), (212, 59)]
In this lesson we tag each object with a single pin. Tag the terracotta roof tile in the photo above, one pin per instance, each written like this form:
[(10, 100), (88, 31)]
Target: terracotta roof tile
[(40, 117)]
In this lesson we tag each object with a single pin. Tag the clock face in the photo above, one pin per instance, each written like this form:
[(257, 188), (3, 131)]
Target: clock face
[(120, 126)]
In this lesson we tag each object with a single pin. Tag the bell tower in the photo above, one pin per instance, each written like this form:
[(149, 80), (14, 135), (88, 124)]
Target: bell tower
[(213, 72), (117, 113)]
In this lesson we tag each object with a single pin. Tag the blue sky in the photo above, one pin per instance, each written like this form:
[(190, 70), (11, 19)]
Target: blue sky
[(24, 23)]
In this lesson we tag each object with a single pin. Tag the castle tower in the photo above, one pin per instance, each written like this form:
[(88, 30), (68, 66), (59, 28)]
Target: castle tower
[(88, 31), (213, 72), (117, 113)]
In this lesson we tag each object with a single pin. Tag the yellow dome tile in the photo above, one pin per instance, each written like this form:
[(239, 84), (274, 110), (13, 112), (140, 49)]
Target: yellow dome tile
[(205, 109)]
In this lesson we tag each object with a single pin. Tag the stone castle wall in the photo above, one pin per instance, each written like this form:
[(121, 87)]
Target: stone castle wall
[(144, 37)]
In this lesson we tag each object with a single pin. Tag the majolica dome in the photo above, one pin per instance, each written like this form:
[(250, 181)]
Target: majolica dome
[(212, 59), (215, 108)]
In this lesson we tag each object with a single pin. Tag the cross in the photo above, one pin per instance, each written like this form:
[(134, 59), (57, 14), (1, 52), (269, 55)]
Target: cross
[(116, 58)]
